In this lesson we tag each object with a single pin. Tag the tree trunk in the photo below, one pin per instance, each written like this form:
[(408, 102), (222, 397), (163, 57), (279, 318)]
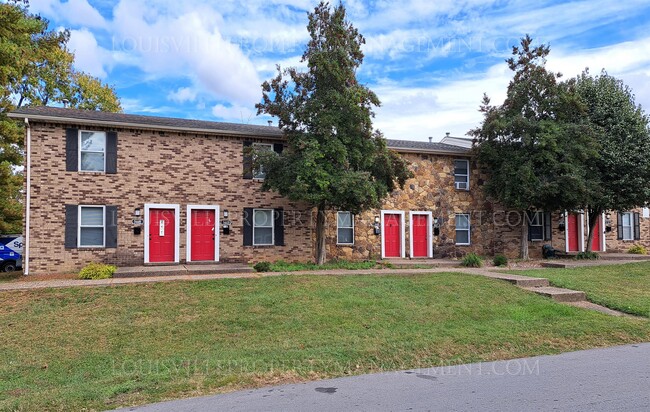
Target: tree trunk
[(592, 218), (320, 235), (523, 253)]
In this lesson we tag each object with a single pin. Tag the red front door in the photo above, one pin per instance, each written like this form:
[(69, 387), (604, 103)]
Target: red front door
[(203, 234), (596, 239), (392, 236), (572, 230), (420, 238), (162, 235)]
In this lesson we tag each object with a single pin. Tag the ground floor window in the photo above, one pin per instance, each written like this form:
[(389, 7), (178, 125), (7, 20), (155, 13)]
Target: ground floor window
[(262, 227), (345, 228), (462, 229), (627, 226), (91, 226)]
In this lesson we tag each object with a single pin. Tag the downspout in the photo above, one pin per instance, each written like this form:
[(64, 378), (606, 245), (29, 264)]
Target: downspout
[(28, 195)]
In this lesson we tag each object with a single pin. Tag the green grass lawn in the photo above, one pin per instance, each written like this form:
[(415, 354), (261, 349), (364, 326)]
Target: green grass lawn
[(622, 287), (100, 348)]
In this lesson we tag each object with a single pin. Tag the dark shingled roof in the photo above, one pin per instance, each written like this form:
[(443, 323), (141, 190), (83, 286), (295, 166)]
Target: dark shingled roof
[(150, 122), (169, 123), (413, 146)]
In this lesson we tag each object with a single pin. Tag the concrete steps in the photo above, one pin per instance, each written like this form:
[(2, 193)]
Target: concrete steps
[(521, 281), (559, 294), (419, 263), (182, 269)]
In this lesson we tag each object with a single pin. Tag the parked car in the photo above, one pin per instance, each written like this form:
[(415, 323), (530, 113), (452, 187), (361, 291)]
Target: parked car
[(11, 252)]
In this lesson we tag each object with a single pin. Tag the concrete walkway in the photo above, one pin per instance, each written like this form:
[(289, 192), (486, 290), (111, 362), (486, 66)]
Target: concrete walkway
[(610, 379)]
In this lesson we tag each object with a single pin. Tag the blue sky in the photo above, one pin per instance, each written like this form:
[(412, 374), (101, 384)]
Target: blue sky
[(429, 61)]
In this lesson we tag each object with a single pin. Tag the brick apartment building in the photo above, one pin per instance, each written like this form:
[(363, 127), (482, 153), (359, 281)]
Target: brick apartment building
[(131, 190)]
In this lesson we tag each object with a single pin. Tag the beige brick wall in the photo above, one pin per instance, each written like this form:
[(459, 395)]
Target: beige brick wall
[(153, 167)]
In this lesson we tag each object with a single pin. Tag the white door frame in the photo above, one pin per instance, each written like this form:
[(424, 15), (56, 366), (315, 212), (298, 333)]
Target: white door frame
[(429, 216), (603, 243), (217, 228), (402, 230), (581, 231), (177, 230)]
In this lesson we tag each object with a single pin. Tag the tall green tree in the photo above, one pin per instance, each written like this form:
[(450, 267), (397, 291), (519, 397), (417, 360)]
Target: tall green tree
[(530, 146), (334, 159), (36, 69), (619, 175)]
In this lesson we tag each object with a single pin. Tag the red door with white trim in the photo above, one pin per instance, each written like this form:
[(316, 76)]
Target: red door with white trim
[(162, 235), (420, 236), (203, 234), (596, 239), (392, 235), (572, 230)]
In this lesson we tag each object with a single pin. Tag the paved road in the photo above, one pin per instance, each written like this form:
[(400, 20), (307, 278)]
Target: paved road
[(612, 379)]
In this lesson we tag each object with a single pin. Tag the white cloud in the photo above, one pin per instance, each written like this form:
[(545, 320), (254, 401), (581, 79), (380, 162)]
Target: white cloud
[(182, 95), (89, 56), (237, 114), (75, 12)]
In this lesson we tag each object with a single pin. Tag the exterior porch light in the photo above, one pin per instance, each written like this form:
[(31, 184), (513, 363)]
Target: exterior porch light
[(608, 222), (136, 212), (225, 214), (436, 226), (376, 226), (137, 221)]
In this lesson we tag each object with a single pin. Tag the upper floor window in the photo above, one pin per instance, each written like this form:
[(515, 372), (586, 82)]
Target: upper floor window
[(461, 174), (344, 228), (92, 151), (259, 172)]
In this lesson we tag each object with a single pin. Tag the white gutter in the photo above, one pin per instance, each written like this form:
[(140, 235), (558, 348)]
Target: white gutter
[(28, 195)]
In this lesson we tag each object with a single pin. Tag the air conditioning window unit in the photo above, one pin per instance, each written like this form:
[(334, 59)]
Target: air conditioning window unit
[(461, 185)]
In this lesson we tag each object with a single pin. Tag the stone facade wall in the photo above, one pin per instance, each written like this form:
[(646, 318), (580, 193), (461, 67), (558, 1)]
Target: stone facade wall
[(493, 228), (153, 167)]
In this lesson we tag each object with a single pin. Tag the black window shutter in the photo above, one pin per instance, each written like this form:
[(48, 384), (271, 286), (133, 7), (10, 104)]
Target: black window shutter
[(619, 225), (111, 152), (248, 161), (278, 226), (529, 216), (248, 226), (278, 147), (637, 226), (71, 226), (111, 226), (72, 150), (548, 233)]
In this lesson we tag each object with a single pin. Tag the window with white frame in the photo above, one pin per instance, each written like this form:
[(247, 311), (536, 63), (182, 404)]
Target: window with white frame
[(259, 172), (345, 228), (627, 225), (462, 229), (91, 226), (92, 151), (262, 227), (461, 174), (536, 226)]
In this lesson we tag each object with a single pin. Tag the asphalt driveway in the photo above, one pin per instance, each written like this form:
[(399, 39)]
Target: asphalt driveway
[(610, 379)]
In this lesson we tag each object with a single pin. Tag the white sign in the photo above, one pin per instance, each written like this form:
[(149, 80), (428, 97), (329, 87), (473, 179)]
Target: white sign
[(161, 233)]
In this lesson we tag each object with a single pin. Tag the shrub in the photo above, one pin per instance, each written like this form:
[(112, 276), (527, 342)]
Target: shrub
[(587, 256), (472, 260), (97, 271), (262, 267), (637, 250), (500, 260)]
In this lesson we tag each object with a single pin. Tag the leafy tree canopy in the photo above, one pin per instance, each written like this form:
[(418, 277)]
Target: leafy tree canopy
[(334, 158), (36, 69)]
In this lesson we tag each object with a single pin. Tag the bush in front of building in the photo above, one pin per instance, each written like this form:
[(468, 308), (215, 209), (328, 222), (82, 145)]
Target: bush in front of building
[(262, 267), (472, 260), (97, 271), (500, 260), (637, 250), (587, 256)]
